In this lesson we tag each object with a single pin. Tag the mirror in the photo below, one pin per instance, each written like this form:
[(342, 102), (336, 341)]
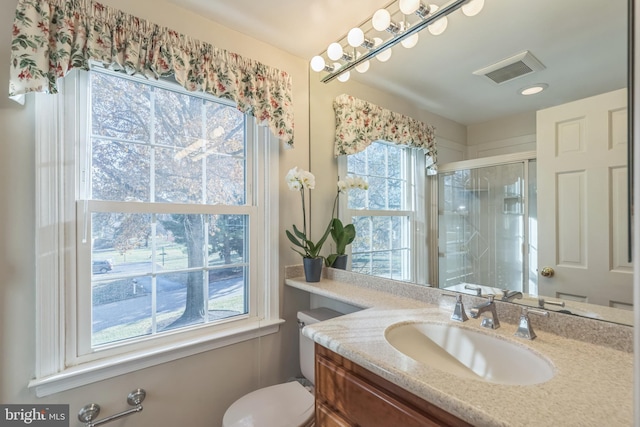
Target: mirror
[(581, 44)]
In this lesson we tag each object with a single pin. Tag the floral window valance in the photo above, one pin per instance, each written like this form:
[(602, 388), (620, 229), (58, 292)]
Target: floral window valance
[(359, 123), (51, 37)]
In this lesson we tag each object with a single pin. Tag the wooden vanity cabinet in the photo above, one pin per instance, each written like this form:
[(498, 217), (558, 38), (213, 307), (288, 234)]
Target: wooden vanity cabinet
[(347, 395)]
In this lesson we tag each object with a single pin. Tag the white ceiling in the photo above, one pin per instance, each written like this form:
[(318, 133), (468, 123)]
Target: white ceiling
[(582, 43)]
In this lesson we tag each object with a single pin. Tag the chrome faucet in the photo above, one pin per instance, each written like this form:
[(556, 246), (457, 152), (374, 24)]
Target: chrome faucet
[(508, 295), (487, 306), (524, 326)]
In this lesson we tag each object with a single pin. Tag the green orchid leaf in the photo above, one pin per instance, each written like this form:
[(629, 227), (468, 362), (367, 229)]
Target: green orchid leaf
[(350, 233), (293, 240), (328, 261), (342, 235), (299, 233), (301, 254)]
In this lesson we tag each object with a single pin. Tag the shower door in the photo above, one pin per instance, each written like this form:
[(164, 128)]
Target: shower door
[(483, 227)]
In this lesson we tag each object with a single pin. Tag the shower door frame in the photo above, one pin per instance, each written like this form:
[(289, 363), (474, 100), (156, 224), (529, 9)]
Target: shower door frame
[(434, 249)]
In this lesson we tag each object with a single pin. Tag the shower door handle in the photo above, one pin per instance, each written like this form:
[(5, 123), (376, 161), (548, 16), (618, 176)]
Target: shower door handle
[(547, 272)]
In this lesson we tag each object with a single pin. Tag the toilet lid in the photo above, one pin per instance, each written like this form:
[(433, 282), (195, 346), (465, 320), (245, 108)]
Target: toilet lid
[(281, 405)]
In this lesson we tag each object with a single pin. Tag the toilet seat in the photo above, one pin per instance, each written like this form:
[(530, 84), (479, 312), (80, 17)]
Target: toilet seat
[(282, 405)]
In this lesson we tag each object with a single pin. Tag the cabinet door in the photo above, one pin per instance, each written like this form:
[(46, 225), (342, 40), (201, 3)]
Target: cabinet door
[(361, 398), (325, 417)]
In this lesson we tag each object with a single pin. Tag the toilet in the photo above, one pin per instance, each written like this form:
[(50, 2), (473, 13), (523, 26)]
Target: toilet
[(283, 405)]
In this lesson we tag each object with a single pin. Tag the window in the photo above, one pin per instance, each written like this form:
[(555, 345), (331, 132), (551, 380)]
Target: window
[(163, 243), (387, 217)]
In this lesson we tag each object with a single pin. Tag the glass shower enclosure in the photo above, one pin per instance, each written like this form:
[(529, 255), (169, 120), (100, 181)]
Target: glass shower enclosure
[(487, 225)]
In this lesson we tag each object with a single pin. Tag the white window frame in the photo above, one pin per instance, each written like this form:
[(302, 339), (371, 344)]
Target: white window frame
[(58, 366), (415, 210)]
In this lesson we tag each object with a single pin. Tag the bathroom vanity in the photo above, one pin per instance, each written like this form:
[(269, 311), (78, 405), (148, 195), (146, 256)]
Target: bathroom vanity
[(578, 372)]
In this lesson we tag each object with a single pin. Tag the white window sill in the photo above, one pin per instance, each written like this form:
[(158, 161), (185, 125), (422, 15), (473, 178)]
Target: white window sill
[(88, 373)]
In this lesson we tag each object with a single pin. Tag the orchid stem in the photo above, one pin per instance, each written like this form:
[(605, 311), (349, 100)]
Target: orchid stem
[(304, 218)]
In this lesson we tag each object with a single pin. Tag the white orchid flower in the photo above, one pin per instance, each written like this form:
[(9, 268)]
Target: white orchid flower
[(351, 182), (297, 179), (308, 180)]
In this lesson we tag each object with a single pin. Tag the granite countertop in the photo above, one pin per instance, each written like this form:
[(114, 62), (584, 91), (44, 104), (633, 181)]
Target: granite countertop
[(592, 385)]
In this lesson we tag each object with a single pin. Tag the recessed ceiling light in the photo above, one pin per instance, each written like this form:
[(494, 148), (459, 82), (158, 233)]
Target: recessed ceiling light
[(533, 89)]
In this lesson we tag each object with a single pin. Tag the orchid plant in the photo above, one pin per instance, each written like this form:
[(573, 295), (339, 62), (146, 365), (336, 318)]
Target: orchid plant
[(301, 180), (343, 235)]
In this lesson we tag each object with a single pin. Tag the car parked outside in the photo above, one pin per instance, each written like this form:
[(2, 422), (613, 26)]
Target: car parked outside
[(101, 266)]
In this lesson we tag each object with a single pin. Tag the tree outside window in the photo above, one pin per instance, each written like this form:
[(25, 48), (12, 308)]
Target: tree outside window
[(167, 197)]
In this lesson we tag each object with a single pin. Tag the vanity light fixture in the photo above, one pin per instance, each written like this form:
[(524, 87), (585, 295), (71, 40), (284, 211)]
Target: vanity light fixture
[(399, 22), (533, 89)]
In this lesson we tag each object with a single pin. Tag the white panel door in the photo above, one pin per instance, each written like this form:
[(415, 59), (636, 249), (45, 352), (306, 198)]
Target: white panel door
[(582, 200)]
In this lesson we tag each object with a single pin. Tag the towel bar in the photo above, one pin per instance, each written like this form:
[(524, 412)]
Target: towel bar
[(91, 411)]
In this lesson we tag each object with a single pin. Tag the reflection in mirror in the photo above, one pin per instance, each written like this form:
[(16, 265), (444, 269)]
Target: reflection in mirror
[(582, 48)]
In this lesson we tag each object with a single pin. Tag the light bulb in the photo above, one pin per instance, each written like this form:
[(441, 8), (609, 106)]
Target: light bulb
[(410, 41), (344, 76), (363, 66), (409, 7), (440, 25), (381, 20), (355, 38), (334, 51), (533, 89), (317, 63), (382, 56), (472, 8)]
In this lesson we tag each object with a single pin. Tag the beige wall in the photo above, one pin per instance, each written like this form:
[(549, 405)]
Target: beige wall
[(193, 391), (505, 135)]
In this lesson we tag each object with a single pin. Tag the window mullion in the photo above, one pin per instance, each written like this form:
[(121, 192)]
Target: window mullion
[(154, 290), (203, 136), (386, 172), (152, 149)]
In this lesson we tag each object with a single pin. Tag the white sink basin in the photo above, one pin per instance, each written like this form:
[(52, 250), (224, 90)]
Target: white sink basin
[(470, 354)]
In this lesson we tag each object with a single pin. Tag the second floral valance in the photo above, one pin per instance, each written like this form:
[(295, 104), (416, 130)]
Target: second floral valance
[(51, 37), (359, 123)]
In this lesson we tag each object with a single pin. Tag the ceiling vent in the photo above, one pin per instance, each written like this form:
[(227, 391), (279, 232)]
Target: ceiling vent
[(511, 68)]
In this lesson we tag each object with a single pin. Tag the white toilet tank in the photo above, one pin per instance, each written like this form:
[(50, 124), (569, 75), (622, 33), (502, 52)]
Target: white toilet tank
[(308, 317)]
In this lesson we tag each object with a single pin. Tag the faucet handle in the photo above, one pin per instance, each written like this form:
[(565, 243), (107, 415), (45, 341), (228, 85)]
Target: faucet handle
[(524, 326), (508, 295), (490, 322), (476, 289), (459, 314), (542, 302)]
